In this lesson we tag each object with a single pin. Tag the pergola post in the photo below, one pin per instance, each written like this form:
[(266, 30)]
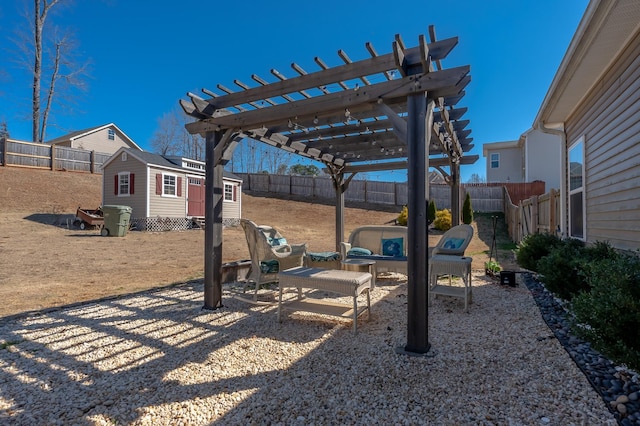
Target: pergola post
[(214, 186), (455, 194), (338, 183), (420, 112)]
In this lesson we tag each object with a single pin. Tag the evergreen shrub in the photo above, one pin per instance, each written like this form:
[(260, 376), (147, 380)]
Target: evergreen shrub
[(467, 211), (431, 211), (608, 315), (533, 247)]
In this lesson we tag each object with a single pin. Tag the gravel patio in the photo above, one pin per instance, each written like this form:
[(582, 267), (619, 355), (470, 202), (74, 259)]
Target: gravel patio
[(156, 357)]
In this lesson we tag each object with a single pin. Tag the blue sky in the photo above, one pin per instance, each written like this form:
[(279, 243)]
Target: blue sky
[(147, 54)]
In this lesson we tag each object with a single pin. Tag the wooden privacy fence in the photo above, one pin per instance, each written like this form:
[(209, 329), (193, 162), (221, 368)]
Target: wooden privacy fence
[(484, 197), (540, 213), (52, 157)]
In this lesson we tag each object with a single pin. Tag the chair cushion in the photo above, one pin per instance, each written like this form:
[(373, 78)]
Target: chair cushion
[(274, 242), (393, 247), (323, 256), (269, 266), (359, 251), (453, 243)]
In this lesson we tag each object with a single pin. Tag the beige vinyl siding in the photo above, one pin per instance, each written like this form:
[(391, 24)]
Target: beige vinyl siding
[(99, 141), (138, 200), (510, 165), (609, 120), (167, 206), (231, 209)]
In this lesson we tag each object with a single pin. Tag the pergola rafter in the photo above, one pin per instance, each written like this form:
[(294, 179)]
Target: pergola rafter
[(385, 112)]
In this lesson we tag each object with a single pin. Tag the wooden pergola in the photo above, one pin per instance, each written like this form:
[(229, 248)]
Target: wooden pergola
[(391, 111)]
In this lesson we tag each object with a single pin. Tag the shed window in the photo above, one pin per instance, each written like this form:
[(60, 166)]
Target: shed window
[(111, 134), (124, 184), (577, 209), (495, 161), (168, 185), (230, 192)]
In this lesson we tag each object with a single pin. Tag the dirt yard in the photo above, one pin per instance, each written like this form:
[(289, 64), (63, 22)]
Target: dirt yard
[(46, 262)]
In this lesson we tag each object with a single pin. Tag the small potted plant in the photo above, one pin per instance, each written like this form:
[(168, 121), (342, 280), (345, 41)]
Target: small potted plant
[(492, 268)]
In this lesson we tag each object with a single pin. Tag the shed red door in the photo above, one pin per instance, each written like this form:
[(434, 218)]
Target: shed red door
[(195, 203)]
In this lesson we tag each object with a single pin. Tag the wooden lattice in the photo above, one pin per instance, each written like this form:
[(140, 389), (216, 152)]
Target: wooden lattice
[(161, 224)]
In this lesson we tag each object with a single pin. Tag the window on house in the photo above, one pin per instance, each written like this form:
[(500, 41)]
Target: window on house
[(124, 184), (575, 170), (495, 160), (111, 134), (229, 192), (169, 185)]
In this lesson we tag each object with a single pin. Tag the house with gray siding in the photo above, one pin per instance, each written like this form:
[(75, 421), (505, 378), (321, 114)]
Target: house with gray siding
[(504, 161), (164, 192), (535, 156), (107, 138), (593, 107)]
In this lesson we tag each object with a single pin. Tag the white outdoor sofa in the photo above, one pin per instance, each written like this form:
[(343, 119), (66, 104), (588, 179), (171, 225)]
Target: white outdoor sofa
[(386, 244)]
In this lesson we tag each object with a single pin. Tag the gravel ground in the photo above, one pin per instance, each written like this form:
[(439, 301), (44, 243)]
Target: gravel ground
[(157, 358)]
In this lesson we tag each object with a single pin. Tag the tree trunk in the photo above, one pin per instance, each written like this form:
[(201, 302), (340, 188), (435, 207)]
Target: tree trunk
[(54, 77), (40, 16), (37, 69)]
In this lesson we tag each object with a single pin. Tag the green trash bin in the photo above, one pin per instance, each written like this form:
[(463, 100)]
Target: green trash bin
[(116, 220)]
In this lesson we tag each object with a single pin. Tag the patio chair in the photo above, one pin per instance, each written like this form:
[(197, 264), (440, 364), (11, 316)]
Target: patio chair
[(454, 242), (270, 253), (447, 259)]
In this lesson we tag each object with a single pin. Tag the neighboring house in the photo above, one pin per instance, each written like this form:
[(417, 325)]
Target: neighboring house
[(593, 105), (107, 138), (504, 161), (164, 192), (435, 177), (536, 156)]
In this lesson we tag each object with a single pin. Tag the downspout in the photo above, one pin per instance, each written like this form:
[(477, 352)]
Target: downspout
[(563, 173)]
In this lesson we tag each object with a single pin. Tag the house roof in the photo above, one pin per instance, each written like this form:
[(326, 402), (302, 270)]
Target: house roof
[(81, 133), (605, 29), (157, 160), (498, 145)]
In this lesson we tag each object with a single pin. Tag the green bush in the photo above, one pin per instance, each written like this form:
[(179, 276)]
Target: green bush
[(560, 269), (431, 211), (443, 220), (609, 314), (533, 247), (467, 211), (566, 268), (403, 216)]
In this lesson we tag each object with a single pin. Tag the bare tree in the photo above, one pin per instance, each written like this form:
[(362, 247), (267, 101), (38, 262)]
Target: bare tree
[(165, 139), (50, 58), (4, 130), (476, 178), (172, 138)]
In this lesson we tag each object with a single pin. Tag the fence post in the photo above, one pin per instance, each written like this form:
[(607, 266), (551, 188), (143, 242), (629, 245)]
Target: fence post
[(92, 160), (534, 214), (52, 154)]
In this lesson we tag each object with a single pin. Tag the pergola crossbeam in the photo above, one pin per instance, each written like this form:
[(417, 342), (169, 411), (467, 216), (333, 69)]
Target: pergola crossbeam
[(325, 77), (437, 82)]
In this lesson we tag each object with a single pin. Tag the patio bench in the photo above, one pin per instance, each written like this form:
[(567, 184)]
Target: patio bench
[(386, 244)]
